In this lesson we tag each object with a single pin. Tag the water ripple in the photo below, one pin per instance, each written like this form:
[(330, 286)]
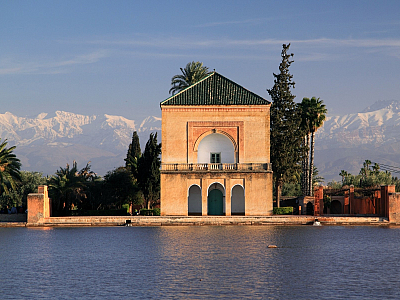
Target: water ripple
[(210, 262)]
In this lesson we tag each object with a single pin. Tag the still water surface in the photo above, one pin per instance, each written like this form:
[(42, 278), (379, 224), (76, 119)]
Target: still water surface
[(210, 262)]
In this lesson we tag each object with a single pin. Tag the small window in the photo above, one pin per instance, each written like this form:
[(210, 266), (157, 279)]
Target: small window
[(215, 158)]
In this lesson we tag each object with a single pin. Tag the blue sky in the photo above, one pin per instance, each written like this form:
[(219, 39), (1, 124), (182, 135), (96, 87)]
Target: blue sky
[(118, 57)]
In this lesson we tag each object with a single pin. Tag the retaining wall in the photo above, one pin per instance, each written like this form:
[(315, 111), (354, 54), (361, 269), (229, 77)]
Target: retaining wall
[(208, 220)]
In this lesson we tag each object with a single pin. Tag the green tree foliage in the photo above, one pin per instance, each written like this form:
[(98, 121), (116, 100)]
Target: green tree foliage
[(369, 176), (29, 184), (119, 188), (70, 187), (317, 179), (192, 73), (335, 184), (133, 155), (92, 195), (317, 113), (149, 171), (293, 188), (343, 174), (286, 136), (132, 164), (89, 193), (9, 168), (313, 113), (305, 120)]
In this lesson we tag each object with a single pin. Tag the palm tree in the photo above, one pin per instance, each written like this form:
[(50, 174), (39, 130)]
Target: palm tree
[(344, 174), (305, 125), (65, 187), (376, 168), (317, 111), (9, 168), (193, 72)]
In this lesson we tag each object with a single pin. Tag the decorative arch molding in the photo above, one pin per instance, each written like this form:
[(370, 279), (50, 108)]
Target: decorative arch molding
[(238, 200), (194, 184), (217, 184), (204, 134), (198, 130), (237, 184), (194, 200)]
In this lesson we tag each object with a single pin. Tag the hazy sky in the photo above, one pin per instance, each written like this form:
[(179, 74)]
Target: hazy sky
[(118, 57)]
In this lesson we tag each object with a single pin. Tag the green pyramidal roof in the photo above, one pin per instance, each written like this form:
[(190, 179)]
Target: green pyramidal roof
[(215, 89)]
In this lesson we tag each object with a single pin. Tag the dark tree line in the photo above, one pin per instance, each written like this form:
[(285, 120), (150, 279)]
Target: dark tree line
[(71, 188), (145, 168)]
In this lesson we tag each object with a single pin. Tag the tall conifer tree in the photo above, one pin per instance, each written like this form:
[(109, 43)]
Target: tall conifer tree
[(133, 155), (286, 134), (149, 171)]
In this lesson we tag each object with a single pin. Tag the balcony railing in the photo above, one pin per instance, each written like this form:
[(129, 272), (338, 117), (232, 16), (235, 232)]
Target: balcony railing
[(217, 167)]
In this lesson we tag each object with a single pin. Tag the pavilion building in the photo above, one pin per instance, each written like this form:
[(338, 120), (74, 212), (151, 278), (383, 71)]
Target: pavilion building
[(216, 151)]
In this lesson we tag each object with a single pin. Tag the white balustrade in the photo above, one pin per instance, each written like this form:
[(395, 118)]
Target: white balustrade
[(217, 167)]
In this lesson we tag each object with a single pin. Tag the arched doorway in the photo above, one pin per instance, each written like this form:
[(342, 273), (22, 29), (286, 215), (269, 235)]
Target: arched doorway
[(237, 201), (216, 148), (310, 209), (194, 201), (336, 207), (215, 200)]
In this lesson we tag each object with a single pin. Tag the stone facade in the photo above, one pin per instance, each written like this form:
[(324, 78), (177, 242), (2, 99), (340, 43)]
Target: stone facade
[(215, 157)]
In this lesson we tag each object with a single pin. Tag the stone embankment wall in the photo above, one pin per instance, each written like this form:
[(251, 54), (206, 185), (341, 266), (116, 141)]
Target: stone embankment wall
[(12, 217), (39, 208), (208, 220), (198, 221)]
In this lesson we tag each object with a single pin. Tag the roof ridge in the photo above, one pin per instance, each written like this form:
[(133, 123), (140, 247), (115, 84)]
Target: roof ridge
[(190, 86), (215, 89)]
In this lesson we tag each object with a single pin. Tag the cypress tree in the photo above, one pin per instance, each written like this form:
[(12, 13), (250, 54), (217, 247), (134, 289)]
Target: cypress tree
[(286, 135), (149, 171), (133, 155)]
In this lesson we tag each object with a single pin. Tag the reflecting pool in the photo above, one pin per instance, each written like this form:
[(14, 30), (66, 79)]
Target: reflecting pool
[(200, 262)]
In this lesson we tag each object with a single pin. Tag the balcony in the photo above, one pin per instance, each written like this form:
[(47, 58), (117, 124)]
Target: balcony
[(245, 167)]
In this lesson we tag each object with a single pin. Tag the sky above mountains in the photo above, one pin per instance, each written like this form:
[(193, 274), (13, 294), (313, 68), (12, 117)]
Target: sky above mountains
[(118, 57)]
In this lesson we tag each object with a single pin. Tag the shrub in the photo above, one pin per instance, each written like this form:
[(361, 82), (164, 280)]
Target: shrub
[(283, 210), (150, 212), (113, 212), (126, 207)]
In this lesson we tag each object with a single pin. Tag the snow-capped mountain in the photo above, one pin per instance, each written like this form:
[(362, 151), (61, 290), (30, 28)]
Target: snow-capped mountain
[(345, 142), (46, 142)]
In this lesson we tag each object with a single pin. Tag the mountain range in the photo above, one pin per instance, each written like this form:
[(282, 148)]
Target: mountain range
[(46, 142), (345, 142)]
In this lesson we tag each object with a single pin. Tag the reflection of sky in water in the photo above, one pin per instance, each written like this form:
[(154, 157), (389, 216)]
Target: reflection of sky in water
[(221, 259), (226, 262)]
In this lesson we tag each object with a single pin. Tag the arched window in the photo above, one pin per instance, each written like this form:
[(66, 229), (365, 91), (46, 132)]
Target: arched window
[(194, 201), (216, 148), (237, 201)]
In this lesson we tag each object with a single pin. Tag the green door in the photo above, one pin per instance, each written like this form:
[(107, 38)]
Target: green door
[(215, 203)]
